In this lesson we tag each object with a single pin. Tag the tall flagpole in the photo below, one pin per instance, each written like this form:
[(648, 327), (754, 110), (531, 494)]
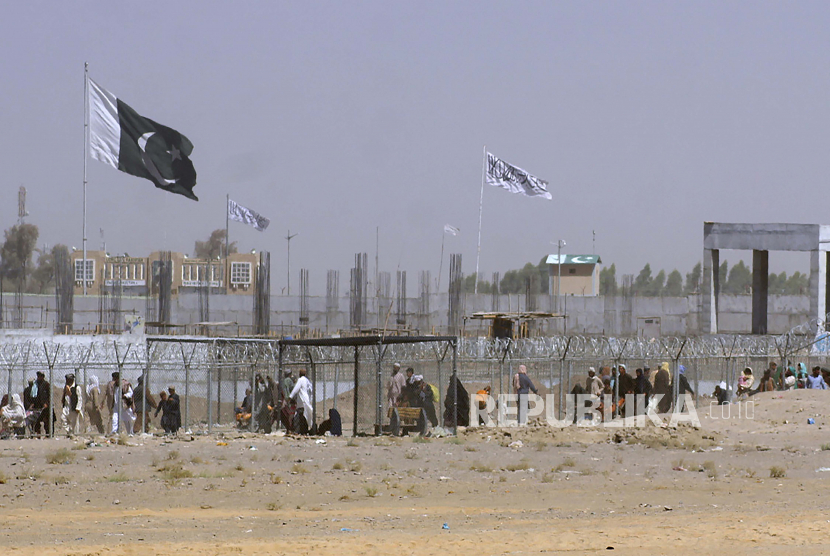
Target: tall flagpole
[(86, 155), (480, 210), (227, 230)]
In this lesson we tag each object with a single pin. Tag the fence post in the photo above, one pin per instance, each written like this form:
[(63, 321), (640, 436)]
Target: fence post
[(379, 389), (313, 390), (218, 393), (118, 389), (563, 384), (186, 363), (252, 421), (336, 379), (455, 386), (356, 388), (51, 362), (209, 401), (280, 374)]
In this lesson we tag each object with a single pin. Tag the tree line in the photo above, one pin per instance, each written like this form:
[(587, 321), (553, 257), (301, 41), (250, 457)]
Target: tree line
[(735, 280)]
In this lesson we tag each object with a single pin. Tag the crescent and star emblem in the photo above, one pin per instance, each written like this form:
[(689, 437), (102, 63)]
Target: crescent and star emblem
[(148, 162)]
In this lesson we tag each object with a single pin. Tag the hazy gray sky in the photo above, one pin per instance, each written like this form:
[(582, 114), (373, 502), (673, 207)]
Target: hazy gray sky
[(332, 118)]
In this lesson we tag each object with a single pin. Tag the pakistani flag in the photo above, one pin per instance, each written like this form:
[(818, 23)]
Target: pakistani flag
[(125, 140)]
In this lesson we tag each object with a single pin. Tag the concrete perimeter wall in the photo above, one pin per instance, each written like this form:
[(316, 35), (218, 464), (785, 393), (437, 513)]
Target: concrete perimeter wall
[(617, 316)]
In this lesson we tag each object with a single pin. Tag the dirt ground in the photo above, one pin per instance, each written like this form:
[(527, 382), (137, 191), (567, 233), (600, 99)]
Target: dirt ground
[(737, 485)]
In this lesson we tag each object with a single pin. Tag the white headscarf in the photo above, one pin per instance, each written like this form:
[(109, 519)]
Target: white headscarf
[(15, 411), (91, 384)]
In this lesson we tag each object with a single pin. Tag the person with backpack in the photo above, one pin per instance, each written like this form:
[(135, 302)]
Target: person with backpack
[(426, 399), (73, 406)]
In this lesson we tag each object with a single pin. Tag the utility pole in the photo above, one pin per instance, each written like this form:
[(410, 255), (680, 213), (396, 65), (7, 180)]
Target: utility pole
[(288, 240), (559, 245)]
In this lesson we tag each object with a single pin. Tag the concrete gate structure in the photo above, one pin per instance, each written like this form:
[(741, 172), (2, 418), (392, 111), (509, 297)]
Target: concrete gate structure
[(761, 239)]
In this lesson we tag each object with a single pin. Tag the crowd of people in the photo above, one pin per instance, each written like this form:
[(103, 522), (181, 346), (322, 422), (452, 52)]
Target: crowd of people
[(775, 378), (407, 389), (119, 408), (289, 404)]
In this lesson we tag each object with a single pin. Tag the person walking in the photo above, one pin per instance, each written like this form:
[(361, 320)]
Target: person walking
[(175, 407), (72, 405), (523, 386), (142, 395), (167, 418), (302, 393), (396, 385), (92, 404), (41, 394)]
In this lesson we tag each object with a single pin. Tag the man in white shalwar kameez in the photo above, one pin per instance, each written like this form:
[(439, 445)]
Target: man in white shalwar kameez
[(302, 395)]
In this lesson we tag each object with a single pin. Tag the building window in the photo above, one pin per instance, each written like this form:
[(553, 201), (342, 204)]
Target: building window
[(571, 271), (241, 273), (79, 270)]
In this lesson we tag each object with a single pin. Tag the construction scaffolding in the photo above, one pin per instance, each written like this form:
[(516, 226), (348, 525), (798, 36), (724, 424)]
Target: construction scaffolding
[(262, 295)]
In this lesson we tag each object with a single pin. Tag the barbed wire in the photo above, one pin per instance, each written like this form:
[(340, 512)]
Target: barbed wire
[(139, 353)]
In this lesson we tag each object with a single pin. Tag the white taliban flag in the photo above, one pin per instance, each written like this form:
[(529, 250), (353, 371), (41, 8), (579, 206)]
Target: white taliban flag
[(514, 179), (247, 216), (450, 229)]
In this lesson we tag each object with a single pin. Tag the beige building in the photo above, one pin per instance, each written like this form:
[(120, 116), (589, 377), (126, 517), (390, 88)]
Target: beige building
[(580, 274), (139, 275)]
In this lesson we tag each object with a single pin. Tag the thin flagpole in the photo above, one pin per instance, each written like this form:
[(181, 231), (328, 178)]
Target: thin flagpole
[(86, 155), (480, 210), (227, 239)]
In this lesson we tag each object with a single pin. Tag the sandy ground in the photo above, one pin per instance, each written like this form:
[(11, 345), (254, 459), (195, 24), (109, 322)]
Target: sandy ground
[(573, 491)]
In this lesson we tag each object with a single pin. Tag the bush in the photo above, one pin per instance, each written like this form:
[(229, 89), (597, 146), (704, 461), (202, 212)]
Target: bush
[(521, 466), (60, 457), (299, 468), (710, 469), (174, 471), (481, 468), (776, 472)]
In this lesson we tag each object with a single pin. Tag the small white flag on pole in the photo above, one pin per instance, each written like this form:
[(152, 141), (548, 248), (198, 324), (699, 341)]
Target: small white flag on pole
[(452, 230), (514, 179), (247, 216)]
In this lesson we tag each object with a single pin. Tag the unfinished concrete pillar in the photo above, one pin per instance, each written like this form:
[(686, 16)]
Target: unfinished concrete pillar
[(818, 285), (710, 291), (827, 285), (760, 290)]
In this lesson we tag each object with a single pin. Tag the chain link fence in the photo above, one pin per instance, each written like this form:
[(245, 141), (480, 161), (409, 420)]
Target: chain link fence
[(351, 375)]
